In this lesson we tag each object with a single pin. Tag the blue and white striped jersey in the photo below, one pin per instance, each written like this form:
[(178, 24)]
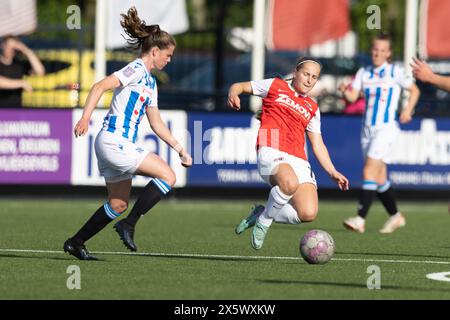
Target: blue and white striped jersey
[(137, 92), (382, 87)]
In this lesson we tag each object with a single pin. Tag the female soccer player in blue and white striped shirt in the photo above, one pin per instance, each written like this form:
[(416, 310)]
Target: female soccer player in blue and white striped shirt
[(119, 158), (381, 83)]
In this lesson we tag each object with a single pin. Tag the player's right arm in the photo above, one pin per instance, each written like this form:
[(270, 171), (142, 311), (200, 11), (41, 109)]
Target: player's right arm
[(96, 92), (352, 92), (235, 90)]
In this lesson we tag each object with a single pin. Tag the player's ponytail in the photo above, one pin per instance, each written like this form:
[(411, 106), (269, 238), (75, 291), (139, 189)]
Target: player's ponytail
[(142, 36)]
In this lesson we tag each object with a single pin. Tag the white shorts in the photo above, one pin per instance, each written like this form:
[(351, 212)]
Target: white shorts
[(270, 158), (377, 142), (118, 158)]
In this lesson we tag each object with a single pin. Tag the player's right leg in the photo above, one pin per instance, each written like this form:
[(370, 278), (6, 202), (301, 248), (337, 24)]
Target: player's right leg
[(285, 184), (371, 170), (118, 194), (161, 184)]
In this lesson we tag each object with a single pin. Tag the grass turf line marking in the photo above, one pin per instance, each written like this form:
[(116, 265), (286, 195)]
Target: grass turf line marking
[(198, 255)]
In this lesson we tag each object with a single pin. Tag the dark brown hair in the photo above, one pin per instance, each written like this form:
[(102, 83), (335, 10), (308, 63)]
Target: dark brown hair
[(385, 37), (142, 36)]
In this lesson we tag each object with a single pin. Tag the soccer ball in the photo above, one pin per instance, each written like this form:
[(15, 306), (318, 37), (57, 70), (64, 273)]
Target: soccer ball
[(317, 247)]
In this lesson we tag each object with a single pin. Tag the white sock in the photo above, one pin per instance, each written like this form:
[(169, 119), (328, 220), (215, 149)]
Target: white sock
[(277, 200), (287, 215)]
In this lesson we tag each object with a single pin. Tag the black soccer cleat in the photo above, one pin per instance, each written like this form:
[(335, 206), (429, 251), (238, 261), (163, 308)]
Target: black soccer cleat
[(78, 251), (126, 233)]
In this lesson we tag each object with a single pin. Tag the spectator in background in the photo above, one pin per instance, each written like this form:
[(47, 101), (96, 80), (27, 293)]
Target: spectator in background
[(12, 71)]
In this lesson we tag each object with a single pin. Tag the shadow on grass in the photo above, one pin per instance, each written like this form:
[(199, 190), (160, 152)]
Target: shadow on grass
[(359, 253), (349, 285), (194, 257), (38, 256)]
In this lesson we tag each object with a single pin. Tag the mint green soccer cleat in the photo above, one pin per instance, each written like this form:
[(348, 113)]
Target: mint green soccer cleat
[(258, 235), (250, 220)]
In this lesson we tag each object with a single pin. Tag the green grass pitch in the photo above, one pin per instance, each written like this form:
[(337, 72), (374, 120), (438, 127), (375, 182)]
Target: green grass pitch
[(188, 250)]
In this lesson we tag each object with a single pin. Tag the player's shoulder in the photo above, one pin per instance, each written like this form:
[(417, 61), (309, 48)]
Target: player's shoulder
[(278, 83), (311, 102), (135, 66), (396, 68)]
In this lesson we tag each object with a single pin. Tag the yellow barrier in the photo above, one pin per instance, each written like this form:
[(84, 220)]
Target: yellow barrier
[(68, 87)]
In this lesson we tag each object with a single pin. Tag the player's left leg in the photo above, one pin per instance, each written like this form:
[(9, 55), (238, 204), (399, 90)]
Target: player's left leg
[(250, 220), (161, 185), (118, 195), (302, 207), (387, 197)]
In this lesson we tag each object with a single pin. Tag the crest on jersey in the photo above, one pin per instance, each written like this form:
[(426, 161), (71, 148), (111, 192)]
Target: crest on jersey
[(128, 72)]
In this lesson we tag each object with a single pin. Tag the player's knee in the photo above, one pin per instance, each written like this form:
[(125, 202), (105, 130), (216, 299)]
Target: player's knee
[(119, 206), (307, 214), (170, 178), (368, 174), (288, 186)]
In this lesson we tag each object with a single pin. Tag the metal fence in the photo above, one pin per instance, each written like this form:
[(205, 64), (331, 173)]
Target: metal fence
[(197, 79)]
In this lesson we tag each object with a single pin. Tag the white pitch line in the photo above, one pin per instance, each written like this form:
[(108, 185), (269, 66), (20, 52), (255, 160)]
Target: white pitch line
[(199, 255)]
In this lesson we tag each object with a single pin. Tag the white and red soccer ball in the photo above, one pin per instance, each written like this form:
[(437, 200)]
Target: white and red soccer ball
[(317, 247)]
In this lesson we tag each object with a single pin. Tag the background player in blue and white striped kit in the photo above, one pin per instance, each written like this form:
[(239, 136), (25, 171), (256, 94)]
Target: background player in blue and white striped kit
[(119, 158), (381, 83)]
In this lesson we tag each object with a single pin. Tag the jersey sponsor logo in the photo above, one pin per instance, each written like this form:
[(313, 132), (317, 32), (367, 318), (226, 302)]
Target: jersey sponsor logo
[(287, 101)]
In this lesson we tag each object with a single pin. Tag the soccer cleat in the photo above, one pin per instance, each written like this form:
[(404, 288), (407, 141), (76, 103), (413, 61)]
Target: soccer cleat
[(78, 251), (258, 235), (393, 223), (126, 233), (356, 224), (250, 220)]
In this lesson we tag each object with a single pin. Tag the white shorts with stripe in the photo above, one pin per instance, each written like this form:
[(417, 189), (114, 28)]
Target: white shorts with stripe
[(377, 142), (118, 158), (270, 158)]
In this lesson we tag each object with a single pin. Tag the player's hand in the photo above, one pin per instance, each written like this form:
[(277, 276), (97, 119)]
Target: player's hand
[(340, 179), (234, 101), (405, 116), (421, 70), (342, 87), (186, 159), (81, 128)]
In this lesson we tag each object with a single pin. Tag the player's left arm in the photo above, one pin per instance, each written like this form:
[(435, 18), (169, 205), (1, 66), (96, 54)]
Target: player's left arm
[(321, 153), (408, 111), (159, 127)]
